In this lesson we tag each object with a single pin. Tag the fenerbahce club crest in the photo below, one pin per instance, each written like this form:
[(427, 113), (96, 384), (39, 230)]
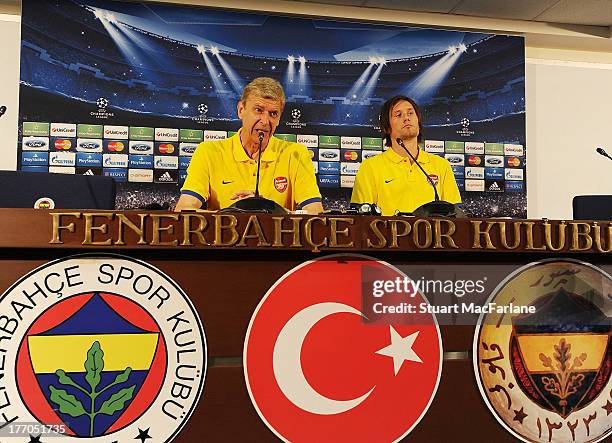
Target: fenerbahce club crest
[(318, 371), (546, 376), (100, 349)]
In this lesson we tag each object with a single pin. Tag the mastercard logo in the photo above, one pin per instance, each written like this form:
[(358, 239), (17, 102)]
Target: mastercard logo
[(115, 146), (474, 161), (166, 148), (350, 155), (63, 144), (513, 161)]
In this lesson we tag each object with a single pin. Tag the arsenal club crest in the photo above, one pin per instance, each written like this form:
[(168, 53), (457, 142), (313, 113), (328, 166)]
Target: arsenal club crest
[(318, 370), (280, 183), (547, 375), (99, 348)]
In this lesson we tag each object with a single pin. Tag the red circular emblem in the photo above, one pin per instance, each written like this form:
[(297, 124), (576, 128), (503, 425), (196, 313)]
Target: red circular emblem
[(280, 183), (321, 366)]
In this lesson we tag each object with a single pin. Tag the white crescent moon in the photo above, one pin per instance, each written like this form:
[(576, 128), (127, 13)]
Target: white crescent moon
[(287, 365)]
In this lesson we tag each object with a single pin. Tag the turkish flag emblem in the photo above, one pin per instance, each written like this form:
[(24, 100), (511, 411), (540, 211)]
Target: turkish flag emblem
[(318, 370), (280, 183)]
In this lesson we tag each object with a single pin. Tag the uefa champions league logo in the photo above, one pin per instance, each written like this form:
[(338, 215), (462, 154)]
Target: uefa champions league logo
[(102, 103), (202, 116), (295, 123), (465, 128), (102, 113)]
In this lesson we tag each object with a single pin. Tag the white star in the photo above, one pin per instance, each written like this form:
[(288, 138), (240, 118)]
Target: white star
[(400, 349)]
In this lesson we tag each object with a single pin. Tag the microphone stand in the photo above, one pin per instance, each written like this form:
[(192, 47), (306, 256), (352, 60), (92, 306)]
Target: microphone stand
[(436, 208), (256, 203)]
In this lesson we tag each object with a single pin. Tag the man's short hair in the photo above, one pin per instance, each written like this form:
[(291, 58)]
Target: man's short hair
[(385, 123), (264, 87)]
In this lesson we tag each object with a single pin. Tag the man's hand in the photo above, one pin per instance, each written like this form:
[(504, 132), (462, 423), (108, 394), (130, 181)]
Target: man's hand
[(242, 194), (187, 202)]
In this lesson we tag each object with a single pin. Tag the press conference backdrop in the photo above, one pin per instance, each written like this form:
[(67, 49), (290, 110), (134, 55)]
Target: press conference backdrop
[(128, 90)]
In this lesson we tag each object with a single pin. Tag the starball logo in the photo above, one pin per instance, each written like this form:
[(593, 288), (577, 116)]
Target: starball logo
[(465, 130), (102, 113), (295, 123)]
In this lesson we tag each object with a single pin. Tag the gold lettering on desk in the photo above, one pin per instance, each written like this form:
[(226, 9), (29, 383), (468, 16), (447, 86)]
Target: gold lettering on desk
[(396, 233), (578, 233), (198, 232), (139, 230), (448, 235), (416, 234), (335, 232), (158, 229), (308, 233), (220, 228), (530, 240), (504, 237), (56, 228), (561, 228), (259, 235), (90, 228), (597, 233), (382, 240), (279, 231), (478, 233)]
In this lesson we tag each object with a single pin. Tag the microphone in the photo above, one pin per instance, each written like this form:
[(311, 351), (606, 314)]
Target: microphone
[(257, 203), (436, 208), (601, 151), (2, 110), (401, 143), (261, 136)]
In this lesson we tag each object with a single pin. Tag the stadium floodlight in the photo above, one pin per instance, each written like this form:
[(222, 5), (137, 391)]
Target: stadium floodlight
[(201, 49), (452, 50), (372, 60), (214, 50), (382, 61), (462, 47), (301, 59), (290, 58), (99, 14), (110, 17)]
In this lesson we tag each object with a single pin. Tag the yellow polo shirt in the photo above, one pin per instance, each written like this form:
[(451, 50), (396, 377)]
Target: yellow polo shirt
[(393, 183), (221, 168)]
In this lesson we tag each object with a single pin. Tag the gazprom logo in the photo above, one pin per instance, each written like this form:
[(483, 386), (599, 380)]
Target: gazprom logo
[(166, 162), (115, 160), (62, 159)]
